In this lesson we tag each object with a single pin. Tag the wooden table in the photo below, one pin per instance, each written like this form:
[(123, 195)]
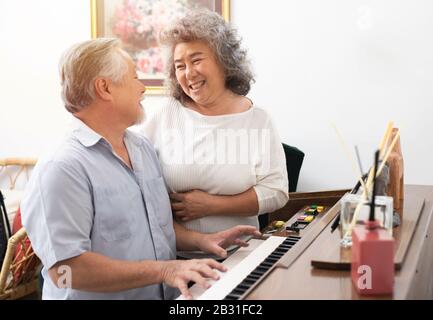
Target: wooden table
[(295, 278)]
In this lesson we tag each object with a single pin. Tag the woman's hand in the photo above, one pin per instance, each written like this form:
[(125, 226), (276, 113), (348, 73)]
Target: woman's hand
[(216, 243), (191, 205), (196, 204)]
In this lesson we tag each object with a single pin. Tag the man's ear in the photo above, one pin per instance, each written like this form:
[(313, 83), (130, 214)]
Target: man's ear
[(103, 89)]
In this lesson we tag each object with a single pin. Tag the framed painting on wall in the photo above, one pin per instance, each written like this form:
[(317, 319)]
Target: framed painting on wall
[(137, 24)]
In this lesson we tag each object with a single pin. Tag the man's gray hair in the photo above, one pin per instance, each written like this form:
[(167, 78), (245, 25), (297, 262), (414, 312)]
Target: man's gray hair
[(222, 38), (81, 64)]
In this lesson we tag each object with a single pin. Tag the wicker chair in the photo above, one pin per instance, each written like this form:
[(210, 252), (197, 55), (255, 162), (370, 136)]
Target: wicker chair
[(20, 269)]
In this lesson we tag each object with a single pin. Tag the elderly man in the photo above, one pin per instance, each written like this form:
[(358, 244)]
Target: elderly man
[(97, 210)]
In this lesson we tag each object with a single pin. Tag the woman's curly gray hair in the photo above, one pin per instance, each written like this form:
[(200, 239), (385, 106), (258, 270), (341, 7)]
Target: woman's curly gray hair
[(210, 27)]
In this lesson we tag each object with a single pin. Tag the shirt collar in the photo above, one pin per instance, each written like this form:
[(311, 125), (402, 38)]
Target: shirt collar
[(88, 137), (133, 137), (84, 134)]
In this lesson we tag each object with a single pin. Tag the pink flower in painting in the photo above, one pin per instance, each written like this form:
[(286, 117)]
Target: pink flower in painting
[(145, 25), (123, 29), (158, 9), (143, 65), (139, 22), (157, 62)]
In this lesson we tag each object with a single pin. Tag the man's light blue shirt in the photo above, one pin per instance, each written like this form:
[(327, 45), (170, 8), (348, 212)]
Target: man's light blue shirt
[(84, 198)]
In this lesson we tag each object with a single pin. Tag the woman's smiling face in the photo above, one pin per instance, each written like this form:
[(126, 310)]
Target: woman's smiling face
[(198, 72)]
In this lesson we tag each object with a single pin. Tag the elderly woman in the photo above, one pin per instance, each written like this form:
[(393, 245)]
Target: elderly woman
[(221, 155)]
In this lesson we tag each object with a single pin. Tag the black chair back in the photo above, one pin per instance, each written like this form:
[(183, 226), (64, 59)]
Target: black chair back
[(294, 160)]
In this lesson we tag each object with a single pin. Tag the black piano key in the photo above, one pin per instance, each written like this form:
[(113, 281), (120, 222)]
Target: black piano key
[(280, 251), (247, 282), (231, 297), (251, 277), (290, 243), (284, 250), (292, 238), (243, 286), (238, 291), (251, 280), (262, 267), (266, 264), (275, 255), (271, 260), (286, 246), (257, 274)]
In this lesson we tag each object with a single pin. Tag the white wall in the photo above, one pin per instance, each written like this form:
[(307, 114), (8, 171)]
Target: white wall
[(356, 63), (33, 35)]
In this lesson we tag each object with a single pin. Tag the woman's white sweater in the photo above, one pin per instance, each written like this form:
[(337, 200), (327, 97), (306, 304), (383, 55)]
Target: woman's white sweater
[(221, 155)]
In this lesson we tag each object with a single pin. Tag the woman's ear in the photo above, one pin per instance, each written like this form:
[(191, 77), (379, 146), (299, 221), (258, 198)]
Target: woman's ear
[(102, 89)]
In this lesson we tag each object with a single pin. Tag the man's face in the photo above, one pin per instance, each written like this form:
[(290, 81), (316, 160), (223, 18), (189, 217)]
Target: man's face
[(128, 95)]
